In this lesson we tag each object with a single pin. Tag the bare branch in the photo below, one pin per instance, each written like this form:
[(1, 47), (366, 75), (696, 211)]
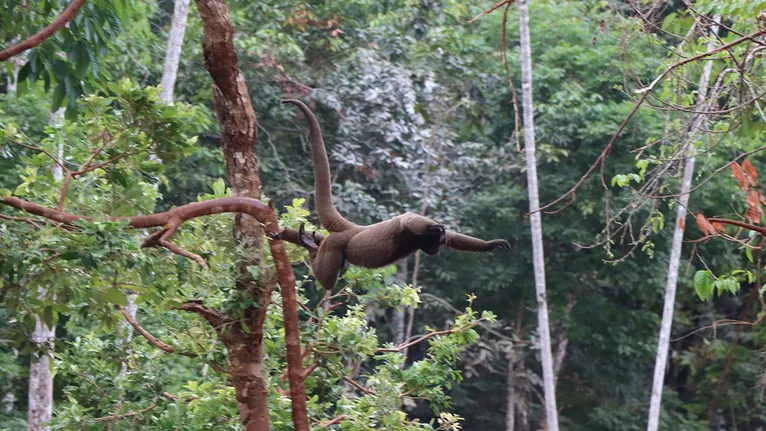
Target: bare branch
[(151, 338), (497, 5), (211, 315), (125, 415), (353, 383)]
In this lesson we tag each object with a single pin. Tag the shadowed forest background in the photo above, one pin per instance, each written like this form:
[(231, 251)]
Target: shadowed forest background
[(417, 115)]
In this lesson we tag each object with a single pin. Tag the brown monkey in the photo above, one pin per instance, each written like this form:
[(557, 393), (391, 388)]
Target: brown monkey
[(371, 246)]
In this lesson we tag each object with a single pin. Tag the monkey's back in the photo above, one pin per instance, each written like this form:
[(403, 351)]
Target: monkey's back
[(379, 245)]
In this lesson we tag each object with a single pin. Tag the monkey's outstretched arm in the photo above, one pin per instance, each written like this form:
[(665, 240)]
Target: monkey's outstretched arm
[(462, 242)]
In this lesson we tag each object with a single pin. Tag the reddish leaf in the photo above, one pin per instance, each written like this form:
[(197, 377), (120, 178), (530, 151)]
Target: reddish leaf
[(719, 227), (752, 174), (704, 225), (739, 174), (681, 224), (754, 211)]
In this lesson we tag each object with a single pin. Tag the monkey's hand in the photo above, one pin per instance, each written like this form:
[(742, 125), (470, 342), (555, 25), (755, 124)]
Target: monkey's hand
[(274, 235), (499, 243)]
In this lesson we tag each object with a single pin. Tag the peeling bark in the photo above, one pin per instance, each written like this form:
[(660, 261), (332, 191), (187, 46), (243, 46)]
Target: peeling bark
[(239, 126)]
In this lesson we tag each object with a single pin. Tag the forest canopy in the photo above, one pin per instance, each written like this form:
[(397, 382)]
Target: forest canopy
[(147, 164)]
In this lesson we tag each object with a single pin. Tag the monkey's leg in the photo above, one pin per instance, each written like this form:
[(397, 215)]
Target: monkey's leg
[(327, 263), (462, 242)]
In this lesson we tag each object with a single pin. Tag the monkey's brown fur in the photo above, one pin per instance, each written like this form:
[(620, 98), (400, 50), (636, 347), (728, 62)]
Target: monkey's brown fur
[(371, 246)]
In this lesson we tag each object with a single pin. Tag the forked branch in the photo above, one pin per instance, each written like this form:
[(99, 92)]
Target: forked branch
[(170, 221)]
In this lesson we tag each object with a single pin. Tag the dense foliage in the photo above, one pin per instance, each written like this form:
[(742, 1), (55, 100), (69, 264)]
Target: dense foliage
[(416, 111)]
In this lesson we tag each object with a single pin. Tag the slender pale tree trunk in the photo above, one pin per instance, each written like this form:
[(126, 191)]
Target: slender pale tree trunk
[(40, 409), (523, 408), (13, 77), (510, 387), (398, 315), (551, 413), (675, 251), (173, 54), (131, 308)]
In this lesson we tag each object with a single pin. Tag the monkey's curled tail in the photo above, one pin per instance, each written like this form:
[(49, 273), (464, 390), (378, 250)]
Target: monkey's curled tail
[(329, 217)]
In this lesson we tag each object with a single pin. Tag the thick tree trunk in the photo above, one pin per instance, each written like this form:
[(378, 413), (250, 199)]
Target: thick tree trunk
[(248, 376), (536, 224), (238, 123), (173, 54), (675, 252)]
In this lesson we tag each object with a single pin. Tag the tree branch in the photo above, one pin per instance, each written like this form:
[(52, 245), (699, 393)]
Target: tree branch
[(169, 220), (45, 33), (125, 415), (151, 338), (334, 421), (353, 383), (761, 230), (429, 335), (211, 315), (644, 94)]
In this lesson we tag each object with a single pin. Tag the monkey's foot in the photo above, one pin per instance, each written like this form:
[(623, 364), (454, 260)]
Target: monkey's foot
[(438, 229), (500, 243), (306, 241)]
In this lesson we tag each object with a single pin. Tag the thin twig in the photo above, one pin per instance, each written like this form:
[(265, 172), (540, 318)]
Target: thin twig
[(151, 338), (353, 383), (430, 335), (125, 415), (498, 5)]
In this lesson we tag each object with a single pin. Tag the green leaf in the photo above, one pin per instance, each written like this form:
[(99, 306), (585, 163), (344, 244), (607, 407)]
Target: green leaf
[(70, 255), (703, 284), (115, 296), (749, 254), (58, 96), (219, 187)]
